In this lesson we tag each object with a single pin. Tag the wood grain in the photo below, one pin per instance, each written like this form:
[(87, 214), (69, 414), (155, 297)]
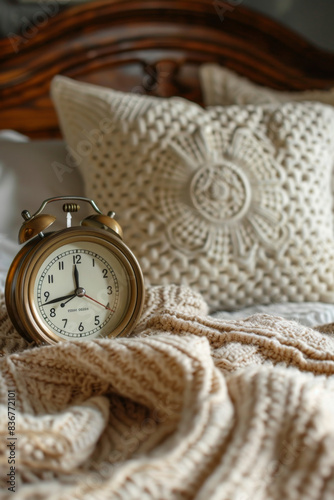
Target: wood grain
[(151, 47)]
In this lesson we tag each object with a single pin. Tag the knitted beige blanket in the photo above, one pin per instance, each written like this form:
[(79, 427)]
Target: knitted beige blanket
[(190, 407)]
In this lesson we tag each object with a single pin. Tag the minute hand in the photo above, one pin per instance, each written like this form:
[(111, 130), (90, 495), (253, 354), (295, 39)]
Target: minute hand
[(58, 299), (76, 276)]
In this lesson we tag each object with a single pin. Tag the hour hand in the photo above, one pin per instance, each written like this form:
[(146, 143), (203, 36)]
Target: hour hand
[(58, 299)]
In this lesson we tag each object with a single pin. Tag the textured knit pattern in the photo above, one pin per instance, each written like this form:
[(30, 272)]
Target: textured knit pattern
[(189, 408), (222, 87), (234, 202)]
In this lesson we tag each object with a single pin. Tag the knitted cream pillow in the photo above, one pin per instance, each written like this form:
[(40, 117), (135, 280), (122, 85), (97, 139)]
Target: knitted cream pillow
[(234, 202), (221, 86)]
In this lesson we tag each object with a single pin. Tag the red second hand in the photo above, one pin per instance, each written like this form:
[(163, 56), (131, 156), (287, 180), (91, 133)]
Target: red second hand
[(91, 298)]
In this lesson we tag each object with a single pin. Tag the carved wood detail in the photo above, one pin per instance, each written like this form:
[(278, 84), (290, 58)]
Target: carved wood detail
[(151, 47)]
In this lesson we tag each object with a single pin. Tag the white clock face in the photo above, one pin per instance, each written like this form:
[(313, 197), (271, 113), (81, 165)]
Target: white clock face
[(82, 291)]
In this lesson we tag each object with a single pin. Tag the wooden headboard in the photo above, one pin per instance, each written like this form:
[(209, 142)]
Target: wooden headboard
[(152, 47)]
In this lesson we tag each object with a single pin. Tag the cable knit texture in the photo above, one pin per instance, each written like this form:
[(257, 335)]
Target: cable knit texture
[(234, 202), (223, 87), (190, 407)]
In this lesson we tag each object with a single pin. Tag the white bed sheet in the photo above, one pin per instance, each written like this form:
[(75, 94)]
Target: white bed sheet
[(30, 172), (8, 250), (305, 313)]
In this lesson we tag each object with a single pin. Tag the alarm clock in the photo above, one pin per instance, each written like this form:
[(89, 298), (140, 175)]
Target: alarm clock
[(78, 283)]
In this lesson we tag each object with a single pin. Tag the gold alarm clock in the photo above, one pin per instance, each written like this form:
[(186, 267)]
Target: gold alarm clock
[(78, 283)]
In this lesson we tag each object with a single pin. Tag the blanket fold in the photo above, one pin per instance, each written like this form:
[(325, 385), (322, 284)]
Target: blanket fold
[(189, 407)]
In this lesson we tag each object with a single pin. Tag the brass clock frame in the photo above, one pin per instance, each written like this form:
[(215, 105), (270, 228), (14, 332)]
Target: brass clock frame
[(23, 273)]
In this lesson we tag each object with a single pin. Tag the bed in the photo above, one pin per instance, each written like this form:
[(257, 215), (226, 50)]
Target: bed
[(208, 128)]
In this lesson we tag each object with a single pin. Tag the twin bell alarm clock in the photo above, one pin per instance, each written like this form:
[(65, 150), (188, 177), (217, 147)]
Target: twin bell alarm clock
[(78, 283)]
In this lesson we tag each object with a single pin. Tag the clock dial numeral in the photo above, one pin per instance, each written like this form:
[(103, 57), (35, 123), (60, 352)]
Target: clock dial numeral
[(61, 265), (105, 273), (50, 278), (97, 320), (65, 322), (76, 259), (46, 296), (81, 327), (109, 288), (52, 312)]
